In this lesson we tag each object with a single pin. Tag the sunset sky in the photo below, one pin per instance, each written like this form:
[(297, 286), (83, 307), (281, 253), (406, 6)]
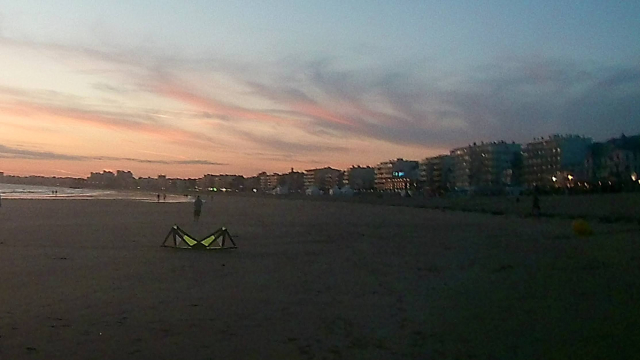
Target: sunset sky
[(185, 88)]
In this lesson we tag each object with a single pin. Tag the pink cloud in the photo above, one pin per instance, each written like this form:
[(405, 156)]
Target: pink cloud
[(105, 120), (213, 106), (315, 111)]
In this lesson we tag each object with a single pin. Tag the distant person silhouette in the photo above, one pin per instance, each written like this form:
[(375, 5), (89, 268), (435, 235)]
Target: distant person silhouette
[(197, 208), (536, 205), (164, 197), (158, 196)]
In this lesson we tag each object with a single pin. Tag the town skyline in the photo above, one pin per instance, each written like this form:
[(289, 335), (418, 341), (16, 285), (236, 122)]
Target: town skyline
[(292, 169), (189, 89)]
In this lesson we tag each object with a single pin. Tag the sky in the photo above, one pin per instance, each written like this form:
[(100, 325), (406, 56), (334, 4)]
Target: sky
[(186, 88)]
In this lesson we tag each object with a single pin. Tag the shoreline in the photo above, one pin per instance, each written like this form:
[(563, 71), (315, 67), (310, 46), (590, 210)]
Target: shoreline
[(602, 208)]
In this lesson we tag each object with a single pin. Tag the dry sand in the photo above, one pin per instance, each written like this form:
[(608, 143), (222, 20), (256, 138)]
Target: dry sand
[(311, 280)]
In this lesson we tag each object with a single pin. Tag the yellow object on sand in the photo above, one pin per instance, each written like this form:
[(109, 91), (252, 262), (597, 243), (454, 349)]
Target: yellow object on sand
[(581, 228)]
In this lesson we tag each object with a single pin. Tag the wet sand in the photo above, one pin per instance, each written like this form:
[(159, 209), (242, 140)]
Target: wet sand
[(84, 279)]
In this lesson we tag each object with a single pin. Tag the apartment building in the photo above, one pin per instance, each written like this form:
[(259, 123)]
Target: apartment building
[(549, 161), (360, 178), (396, 175), (616, 160), (323, 178), (436, 173), (484, 166)]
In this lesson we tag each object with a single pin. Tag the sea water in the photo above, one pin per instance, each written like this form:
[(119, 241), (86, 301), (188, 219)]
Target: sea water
[(15, 191)]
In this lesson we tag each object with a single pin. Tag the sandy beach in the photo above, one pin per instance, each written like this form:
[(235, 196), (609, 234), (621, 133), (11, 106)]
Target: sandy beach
[(87, 279)]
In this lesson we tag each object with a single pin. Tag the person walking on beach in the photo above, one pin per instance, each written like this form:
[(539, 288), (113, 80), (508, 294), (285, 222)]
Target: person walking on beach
[(197, 208), (536, 205)]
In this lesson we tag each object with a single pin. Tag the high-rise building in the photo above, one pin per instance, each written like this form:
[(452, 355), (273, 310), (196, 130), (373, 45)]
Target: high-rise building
[(125, 180), (293, 181), (436, 173), (485, 165), (103, 179), (323, 178), (397, 175), (555, 158), (616, 160), (360, 178)]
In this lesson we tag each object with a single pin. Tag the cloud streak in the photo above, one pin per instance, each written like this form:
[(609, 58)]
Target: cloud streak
[(401, 104), (16, 153), (138, 123)]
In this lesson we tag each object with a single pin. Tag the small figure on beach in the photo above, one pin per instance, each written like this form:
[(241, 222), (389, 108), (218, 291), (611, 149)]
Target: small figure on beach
[(197, 208), (536, 205), (164, 197), (158, 196)]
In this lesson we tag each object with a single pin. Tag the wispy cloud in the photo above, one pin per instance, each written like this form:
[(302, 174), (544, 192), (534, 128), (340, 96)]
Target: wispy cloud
[(513, 100), (401, 104), (277, 143), (141, 123), (17, 153), (211, 106)]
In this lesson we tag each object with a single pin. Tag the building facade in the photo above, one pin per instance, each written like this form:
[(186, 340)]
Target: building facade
[(484, 166), (360, 178), (292, 181), (397, 175), (616, 160), (323, 178), (552, 160), (436, 174)]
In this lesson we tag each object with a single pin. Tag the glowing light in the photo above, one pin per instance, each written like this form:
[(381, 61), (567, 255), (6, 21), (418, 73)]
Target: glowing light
[(554, 178), (570, 177), (634, 176)]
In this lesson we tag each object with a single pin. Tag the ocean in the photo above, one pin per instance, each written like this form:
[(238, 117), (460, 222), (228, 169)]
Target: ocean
[(13, 191)]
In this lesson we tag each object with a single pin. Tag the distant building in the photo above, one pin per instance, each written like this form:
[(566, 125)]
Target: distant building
[(293, 181), (177, 185), (549, 160), (360, 178), (163, 183), (222, 182), (484, 166), (252, 183), (103, 179), (263, 180), (323, 178), (616, 160), (271, 181), (148, 184), (436, 173), (396, 175), (125, 180)]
